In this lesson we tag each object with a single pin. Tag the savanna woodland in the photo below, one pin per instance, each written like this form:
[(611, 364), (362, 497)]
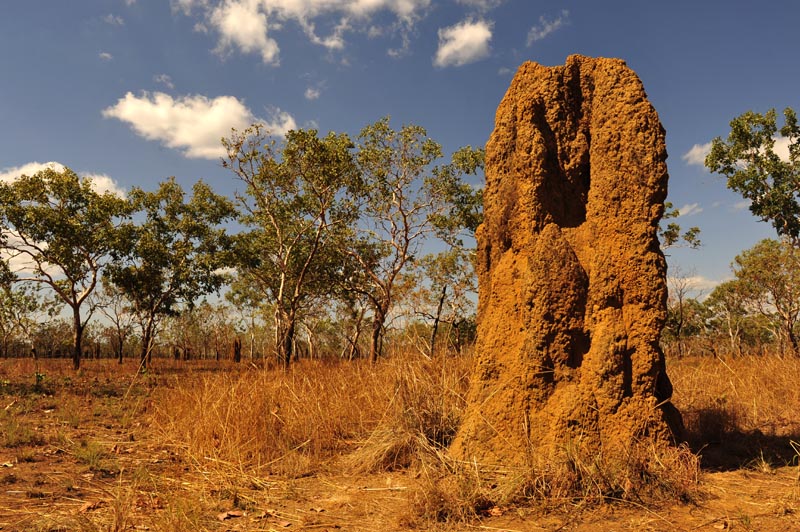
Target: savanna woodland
[(298, 356)]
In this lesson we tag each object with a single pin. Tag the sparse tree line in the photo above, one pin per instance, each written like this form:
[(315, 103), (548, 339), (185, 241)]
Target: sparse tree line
[(756, 311), (321, 254), (759, 308)]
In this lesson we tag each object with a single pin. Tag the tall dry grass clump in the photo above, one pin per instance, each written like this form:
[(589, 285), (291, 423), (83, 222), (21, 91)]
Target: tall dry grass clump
[(575, 475), (419, 420), (268, 421)]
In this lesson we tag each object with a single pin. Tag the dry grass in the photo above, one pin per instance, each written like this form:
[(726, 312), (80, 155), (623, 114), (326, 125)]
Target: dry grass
[(294, 424), (739, 411), (233, 437), (400, 414), (577, 476)]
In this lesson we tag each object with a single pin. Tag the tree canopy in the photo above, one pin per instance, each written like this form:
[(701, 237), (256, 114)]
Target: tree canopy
[(331, 234), (299, 209), (749, 158), (173, 255), (59, 232)]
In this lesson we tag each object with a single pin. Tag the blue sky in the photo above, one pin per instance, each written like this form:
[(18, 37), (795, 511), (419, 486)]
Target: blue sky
[(133, 91)]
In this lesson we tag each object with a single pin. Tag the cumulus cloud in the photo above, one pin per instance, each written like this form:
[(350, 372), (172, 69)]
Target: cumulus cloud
[(463, 43), (697, 154), (247, 25), (242, 25), (690, 209), (547, 26), (312, 93), (105, 56), (193, 124), (165, 80), (100, 182)]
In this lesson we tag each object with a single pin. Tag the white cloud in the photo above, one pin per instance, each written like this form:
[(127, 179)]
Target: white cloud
[(698, 282), (105, 56), (312, 93), (193, 124), (100, 182), (104, 183), (463, 43), (247, 25), (781, 148), (114, 20), (741, 205), (546, 27), (130, 2), (165, 80), (504, 71), (697, 154), (690, 209), (241, 24)]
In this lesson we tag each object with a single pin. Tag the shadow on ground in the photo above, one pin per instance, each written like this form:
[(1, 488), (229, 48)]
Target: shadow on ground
[(713, 434)]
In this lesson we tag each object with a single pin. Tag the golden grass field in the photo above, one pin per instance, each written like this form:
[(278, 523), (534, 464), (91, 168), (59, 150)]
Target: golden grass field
[(204, 445)]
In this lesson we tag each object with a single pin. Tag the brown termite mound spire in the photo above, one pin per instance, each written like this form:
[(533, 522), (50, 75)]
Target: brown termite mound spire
[(572, 282)]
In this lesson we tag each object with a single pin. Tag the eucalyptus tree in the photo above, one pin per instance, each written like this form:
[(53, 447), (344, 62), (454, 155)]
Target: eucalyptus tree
[(298, 206), (753, 166), (395, 214), (174, 253), (250, 310), (768, 275), (60, 233), (729, 311), (447, 295), (406, 199)]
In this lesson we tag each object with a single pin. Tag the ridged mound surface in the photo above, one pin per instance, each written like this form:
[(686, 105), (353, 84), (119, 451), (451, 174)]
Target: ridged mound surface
[(572, 282)]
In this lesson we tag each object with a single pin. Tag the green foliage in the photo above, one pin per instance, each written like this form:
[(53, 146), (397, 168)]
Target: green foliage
[(174, 255), (448, 296), (671, 234), (685, 320), (299, 208), (61, 233), (731, 314), (461, 204), (753, 168), (769, 279), (18, 306)]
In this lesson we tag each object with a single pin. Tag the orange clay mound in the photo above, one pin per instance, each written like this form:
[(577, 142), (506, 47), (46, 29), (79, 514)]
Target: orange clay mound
[(572, 286)]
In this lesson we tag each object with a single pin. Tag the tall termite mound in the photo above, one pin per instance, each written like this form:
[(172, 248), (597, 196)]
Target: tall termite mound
[(572, 282)]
